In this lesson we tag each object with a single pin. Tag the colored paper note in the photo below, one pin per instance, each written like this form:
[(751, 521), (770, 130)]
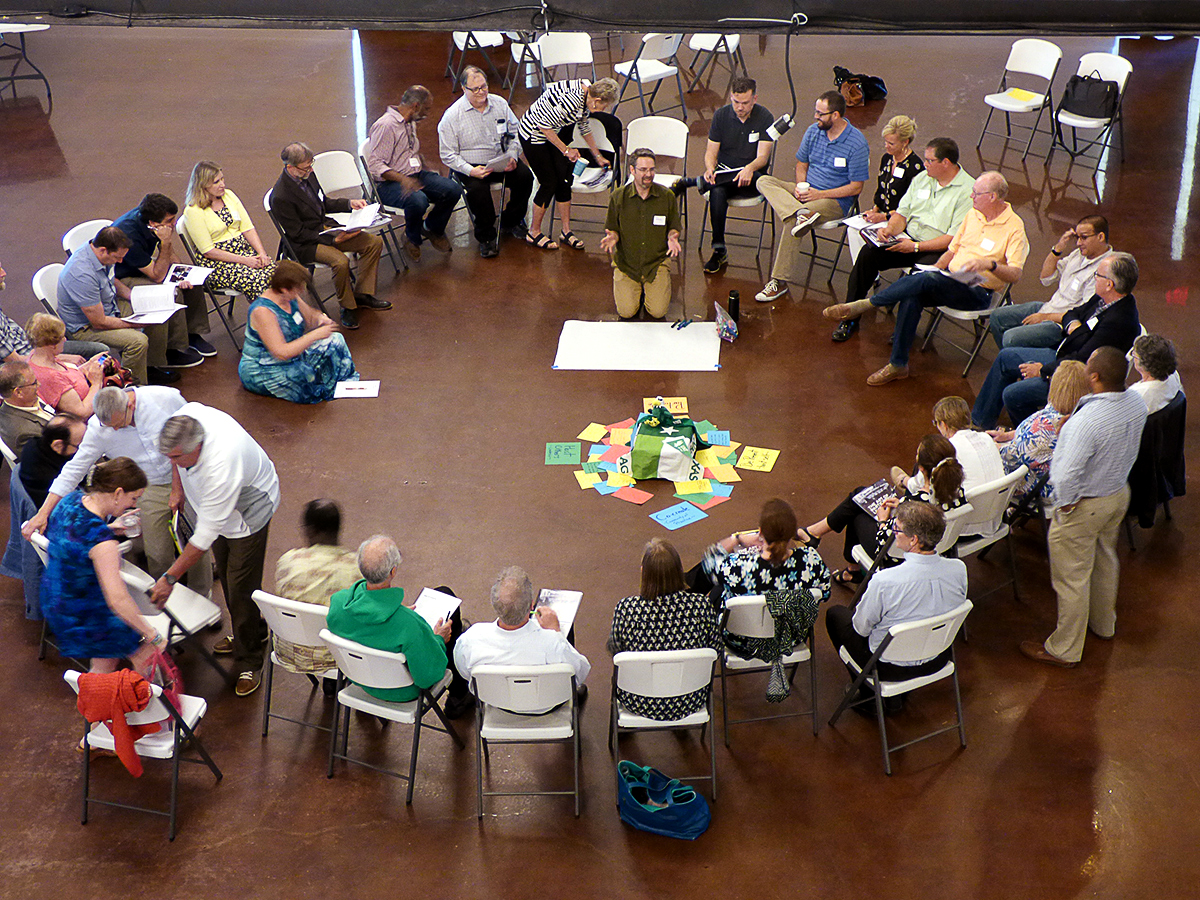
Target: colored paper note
[(675, 405), (593, 432), (586, 479), (591, 467), (721, 438), (707, 458), (613, 453), (757, 459), (711, 503), (732, 445), (702, 486), (603, 488), (597, 449), (606, 466), (562, 454), (619, 479), (677, 516), (697, 499), (704, 426), (621, 436), (633, 495), (724, 473), (624, 423), (727, 460), (722, 490)]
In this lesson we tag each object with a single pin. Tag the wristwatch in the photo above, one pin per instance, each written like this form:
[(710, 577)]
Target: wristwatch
[(170, 579)]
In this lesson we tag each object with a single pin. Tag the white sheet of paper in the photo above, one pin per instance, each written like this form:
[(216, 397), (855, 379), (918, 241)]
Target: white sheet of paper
[(358, 218), (152, 304), (344, 389), (193, 275), (857, 223), (638, 347), (752, 137), (565, 605), (432, 605)]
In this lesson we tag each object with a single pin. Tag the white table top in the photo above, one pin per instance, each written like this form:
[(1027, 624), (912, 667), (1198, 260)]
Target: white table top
[(20, 28)]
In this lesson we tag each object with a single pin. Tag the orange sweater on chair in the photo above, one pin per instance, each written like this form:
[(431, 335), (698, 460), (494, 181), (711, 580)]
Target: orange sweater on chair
[(106, 698)]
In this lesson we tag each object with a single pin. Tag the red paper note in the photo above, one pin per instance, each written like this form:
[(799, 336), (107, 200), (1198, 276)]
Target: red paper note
[(633, 495), (615, 452), (711, 503)]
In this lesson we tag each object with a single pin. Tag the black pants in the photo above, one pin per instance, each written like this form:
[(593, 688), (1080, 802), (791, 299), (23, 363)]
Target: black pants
[(872, 260), (839, 623), (860, 528), (240, 564), (458, 685), (479, 199), (719, 195), (553, 170)]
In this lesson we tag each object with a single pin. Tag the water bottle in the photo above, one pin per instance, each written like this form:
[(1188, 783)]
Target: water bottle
[(734, 305)]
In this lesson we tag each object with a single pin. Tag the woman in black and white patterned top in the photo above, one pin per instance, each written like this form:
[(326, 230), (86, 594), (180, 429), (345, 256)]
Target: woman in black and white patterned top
[(897, 167), (665, 616), (564, 104)]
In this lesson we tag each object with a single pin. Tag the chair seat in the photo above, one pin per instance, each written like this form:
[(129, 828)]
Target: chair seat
[(1073, 121), (626, 719), (976, 542), (648, 70), (1006, 102), (895, 688), (708, 42), (502, 725), (355, 697), (580, 184), (161, 744), (733, 661), (525, 51), (482, 38), (747, 201), (966, 315)]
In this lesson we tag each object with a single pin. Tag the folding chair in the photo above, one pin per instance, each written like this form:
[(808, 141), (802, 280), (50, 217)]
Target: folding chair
[(397, 214), (821, 233), (368, 667), (297, 623), (985, 524), (906, 643), (222, 299), (287, 251), (466, 41), (955, 520), (748, 616), (565, 48), (648, 67), (1028, 56), (664, 136), (1110, 67), (82, 233), (977, 318), (1158, 475), (511, 700), (664, 673), (764, 215), (608, 140), (168, 744), (338, 171), (45, 286), (713, 47), (525, 62)]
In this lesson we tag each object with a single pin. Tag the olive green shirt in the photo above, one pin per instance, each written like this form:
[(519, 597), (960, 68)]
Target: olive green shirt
[(643, 226)]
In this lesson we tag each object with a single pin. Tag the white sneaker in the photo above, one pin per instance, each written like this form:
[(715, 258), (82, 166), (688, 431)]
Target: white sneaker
[(803, 220), (772, 290)]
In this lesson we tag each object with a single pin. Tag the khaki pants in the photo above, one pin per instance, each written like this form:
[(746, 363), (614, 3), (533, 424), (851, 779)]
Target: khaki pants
[(195, 303), (130, 343), (368, 247), (1084, 571), (782, 197), (157, 542), (628, 293)]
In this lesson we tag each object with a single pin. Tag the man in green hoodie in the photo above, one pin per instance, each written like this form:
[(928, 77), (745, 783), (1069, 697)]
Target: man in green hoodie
[(372, 612)]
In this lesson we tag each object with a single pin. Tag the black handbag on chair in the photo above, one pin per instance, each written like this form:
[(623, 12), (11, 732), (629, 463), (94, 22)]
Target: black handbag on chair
[(1089, 96)]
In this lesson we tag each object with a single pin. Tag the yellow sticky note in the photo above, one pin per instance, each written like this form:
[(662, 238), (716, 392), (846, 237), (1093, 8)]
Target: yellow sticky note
[(620, 436), (1021, 94), (593, 432), (724, 473), (757, 459), (707, 457), (703, 486), (618, 479), (675, 405), (733, 445), (587, 479)]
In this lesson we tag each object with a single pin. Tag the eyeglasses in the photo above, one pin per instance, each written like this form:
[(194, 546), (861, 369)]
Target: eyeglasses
[(929, 160), (478, 90), (981, 193), (29, 384), (1106, 278), (896, 529), (1084, 237), (821, 115), (304, 167)]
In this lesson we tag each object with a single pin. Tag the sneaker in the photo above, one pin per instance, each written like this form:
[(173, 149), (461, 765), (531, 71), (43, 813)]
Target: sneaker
[(247, 683), (803, 220), (201, 346), (159, 375), (772, 290), (349, 319), (518, 231), (489, 249), (716, 262), (842, 311), (439, 241), (224, 646), (679, 185), (845, 331), (888, 374), (370, 301), (183, 359)]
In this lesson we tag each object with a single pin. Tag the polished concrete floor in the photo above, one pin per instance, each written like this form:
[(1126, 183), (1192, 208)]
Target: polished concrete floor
[(1074, 783)]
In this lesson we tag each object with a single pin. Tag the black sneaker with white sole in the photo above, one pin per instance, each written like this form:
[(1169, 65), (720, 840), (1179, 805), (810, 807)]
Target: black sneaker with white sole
[(183, 359), (716, 262)]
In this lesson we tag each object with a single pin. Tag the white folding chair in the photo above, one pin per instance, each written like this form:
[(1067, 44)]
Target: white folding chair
[(977, 319), (985, 525), (907, 643), (565, 48), (180, 731), (713, 47), (8, 454), (1028, 56), (955, 518), (831, 233), (759, 202), (511, 700), (525, 61), (466, 41), (395, 250), (45, 286), (648, 67), (664, 136), (371, 668), (588, 182), (222, 299), (82, 233), (748, 616), (1110, 67), (19, 56), (297, 623), (287, 251), (339, 173)]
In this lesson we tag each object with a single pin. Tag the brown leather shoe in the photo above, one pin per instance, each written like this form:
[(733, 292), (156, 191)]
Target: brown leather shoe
[(440, 242), (1038, 653), (851, 310), (887, 374), (413, 250)]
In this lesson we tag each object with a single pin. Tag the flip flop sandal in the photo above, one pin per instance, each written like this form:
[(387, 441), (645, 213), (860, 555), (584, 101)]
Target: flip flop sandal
[(540, 241), (568, 238), (847, 577)]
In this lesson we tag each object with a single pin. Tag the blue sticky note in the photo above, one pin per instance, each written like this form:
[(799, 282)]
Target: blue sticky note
[(721, 490), (608, 466), (677, 516), (605, 488), (598, 449), (720, 438)]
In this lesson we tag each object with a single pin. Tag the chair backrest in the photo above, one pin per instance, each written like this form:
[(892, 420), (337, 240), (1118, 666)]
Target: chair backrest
[(989, 501), (367, 666), (955, 520), (1034, 56), (299, 623), (8, 454), (82, 233), (1110, 67), (565, 48), (337, 170), (748, 616), (925, 638), (523, 689), (664, 135), (664, 673), (659, 46), (41, 543), (45, 286), (155, 711)]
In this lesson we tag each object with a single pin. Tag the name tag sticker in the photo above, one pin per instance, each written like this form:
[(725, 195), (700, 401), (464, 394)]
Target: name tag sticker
[(1091, 323), (839, 162), (753, 137), (321, 195), (988, 245), (1074, 284), (297, 318), (923, 195), (660, 220), (897, 172), (501, 126), (415, 162)]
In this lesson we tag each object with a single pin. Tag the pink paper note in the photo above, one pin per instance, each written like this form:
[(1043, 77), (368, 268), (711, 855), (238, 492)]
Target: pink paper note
[(633, 495)]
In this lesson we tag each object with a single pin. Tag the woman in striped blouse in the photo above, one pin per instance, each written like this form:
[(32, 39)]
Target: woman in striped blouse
[(563, 104)]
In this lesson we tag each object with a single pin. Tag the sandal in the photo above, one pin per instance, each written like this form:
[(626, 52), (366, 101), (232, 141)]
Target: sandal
[(804, 538), (540, 241), (847, 577), (568, 238)]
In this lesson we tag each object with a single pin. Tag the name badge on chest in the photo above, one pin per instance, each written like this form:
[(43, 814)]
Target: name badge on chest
[(752, 137), (988, 245), (839, 162), (659, 220)]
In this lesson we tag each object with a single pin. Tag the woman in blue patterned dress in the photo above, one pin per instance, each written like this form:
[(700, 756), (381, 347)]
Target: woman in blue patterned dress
[(84, 598), (292, 351)]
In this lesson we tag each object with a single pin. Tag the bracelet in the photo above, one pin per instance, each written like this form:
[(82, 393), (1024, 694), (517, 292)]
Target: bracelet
[(154, 640)]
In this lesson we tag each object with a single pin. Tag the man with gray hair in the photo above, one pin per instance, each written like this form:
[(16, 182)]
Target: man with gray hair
[(401, 179), (127, 423), (301, 207), (226, 477), (372, 612), (517, 638)]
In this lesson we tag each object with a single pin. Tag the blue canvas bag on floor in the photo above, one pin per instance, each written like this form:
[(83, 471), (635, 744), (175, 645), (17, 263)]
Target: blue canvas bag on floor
[(651, 801)]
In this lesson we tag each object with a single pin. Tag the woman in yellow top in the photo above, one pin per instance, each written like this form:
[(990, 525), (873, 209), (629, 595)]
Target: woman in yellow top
[(221, 231)]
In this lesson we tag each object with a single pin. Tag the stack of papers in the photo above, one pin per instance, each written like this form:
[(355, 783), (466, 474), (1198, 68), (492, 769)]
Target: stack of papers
[(152, 304)]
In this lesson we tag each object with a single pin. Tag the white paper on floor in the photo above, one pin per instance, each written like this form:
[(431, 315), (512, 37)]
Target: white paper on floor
[(638, 347)]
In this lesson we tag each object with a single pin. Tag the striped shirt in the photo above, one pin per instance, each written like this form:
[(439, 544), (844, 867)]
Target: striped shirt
[(562, 103), (1097, 446)]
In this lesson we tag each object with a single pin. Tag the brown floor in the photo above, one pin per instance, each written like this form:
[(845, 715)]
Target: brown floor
[(1074, 783)]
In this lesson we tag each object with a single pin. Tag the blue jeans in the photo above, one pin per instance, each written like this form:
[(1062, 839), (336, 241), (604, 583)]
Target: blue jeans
[(912, 293), (1008, 331), (1004, 387), (436, 191)]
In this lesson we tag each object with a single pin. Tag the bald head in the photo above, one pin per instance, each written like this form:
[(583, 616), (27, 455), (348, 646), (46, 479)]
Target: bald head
[(1106, 369), (378, 558)]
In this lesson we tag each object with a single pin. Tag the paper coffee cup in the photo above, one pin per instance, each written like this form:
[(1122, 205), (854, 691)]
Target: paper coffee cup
[(802, 186)]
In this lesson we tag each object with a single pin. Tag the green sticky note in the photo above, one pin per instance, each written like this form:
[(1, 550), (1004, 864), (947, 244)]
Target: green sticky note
[(591, 467), (704, 427), (562, 453)]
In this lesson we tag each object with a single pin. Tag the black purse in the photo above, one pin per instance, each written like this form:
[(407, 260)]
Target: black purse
[(1090, 97)]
